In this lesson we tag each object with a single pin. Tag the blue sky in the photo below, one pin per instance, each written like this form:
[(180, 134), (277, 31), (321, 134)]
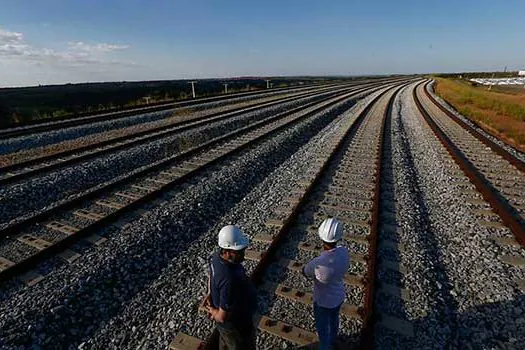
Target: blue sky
[(60, 41)]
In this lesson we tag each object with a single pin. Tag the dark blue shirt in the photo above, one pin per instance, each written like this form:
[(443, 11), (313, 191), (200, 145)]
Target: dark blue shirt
[(232, 291)]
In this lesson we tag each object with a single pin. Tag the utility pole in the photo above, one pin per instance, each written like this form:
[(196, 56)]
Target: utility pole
[(147, 99), (267, 83), (192, 88), (225, 88)]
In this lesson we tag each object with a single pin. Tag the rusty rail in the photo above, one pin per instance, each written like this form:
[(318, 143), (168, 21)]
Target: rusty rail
[(270, 255), (66, 242), (488, 142), (367, 340), (474, 175), (128, 141), (90, 117)]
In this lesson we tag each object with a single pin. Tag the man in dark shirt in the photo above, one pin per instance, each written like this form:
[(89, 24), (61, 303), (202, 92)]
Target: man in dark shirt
[(232, 301)]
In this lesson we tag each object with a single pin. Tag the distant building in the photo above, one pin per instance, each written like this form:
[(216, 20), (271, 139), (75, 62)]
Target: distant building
[(521, 73)]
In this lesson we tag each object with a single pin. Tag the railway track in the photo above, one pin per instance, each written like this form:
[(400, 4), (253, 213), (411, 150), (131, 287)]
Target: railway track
[(23, 199), (54, 230), (38, 127), (404, 247), (343, 182), (37, 166), (58, 186), (490, 174), (492, 178), (476, 132), (497, 175)]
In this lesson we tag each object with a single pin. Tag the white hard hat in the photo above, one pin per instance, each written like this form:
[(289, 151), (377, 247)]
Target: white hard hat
[(231, 237), (331, 230)]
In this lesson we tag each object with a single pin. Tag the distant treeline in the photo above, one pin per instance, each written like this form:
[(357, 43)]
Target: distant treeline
[(22, 105), (469, 75)]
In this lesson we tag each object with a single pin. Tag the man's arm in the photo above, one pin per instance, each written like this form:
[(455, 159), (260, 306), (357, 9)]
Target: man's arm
[(226, 303), (316, 269), (309, 268), (207, 299)]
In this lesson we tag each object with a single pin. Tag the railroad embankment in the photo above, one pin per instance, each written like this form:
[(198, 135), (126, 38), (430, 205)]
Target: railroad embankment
[(498, 111)]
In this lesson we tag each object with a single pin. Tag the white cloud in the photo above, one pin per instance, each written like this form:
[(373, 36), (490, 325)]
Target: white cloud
[(97, 48), (14, 50), (12, 43), (7, 37), (78, 53)]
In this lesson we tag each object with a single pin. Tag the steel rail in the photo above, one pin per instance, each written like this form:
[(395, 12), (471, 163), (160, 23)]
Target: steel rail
[(474, 132), (142, 171), (369, 319), (128, 141), (52, 124), (483, 186), (66, 242), (270, 255)]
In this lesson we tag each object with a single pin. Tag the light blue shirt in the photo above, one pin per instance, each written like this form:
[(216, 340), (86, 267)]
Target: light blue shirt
[(328, 270)]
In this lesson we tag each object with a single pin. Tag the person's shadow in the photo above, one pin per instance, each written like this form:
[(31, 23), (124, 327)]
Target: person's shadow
[(498, 325)]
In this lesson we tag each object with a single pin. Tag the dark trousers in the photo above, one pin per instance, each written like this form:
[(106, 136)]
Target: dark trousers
[(237, 338), (327, 325)]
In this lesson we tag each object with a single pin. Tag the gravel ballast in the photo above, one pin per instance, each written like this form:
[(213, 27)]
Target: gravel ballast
[(143, 285), (27, 198), (179, 233), (516, 153), (461, 293), (172, 119), (62, 134)]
